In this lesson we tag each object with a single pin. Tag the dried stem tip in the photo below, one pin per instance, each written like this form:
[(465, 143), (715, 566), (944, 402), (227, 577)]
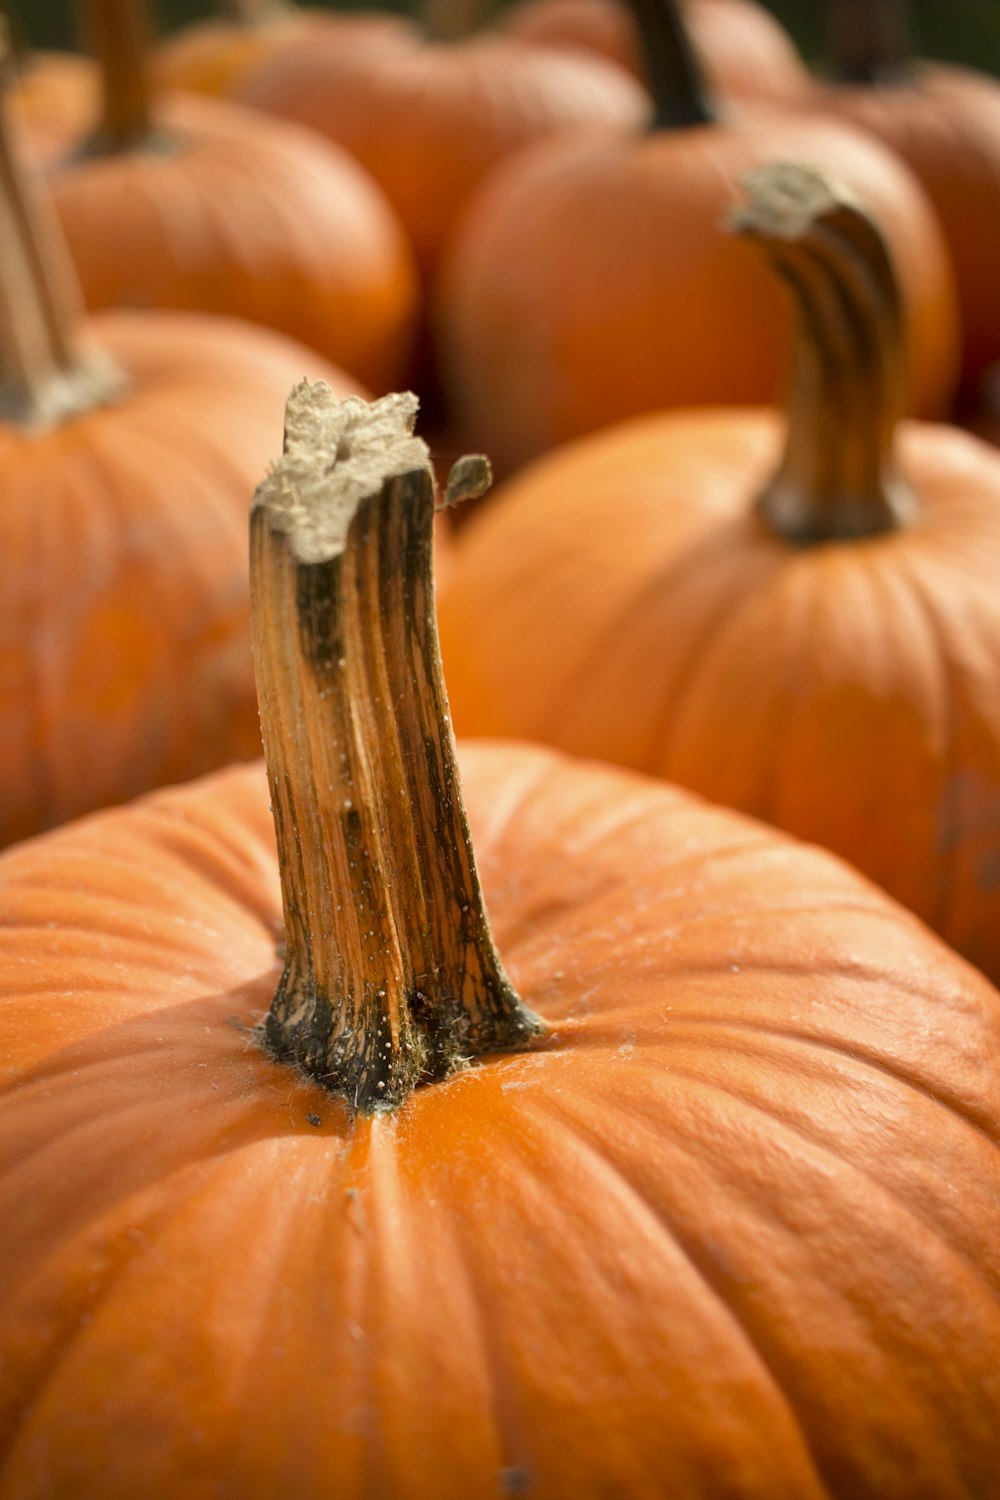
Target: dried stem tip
[(391, 975), (838, 477)]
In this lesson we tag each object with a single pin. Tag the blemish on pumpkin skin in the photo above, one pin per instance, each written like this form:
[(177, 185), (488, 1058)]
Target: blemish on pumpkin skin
[(513, 1481), (355, 1210)]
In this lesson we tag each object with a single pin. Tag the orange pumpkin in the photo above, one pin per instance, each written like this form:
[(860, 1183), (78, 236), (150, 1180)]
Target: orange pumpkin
[(124, 659), (828, 659), (431, 119), (214, 56), (572, 256), (216, 211), (47, 83), (945, 123), (742, 51), (729, 1227)]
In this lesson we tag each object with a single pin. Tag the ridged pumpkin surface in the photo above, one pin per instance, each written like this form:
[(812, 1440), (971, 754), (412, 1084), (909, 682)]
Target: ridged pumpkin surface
[(233, 215), (124, 645), (593, 281), (622, 600), (430, 121), (733, 1230)]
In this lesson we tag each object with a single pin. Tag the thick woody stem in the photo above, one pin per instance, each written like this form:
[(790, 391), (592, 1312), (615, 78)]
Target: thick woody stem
[(870, 40), (838, 477), (118, 34), (257, 15), (391, 975), (679, 95), (48, 371)]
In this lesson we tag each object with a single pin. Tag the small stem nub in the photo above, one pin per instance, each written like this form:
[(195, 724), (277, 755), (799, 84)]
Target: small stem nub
[(838, 476), (391, 975), (49, 371), (870, 40), (680, 99)]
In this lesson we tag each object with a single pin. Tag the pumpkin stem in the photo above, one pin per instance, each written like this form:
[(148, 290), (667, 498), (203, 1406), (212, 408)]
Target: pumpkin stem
[(838, 477), (47, 370), (450, 20), (118, 35), (391, 975), (679, 96), (257, 15), (870, 40)]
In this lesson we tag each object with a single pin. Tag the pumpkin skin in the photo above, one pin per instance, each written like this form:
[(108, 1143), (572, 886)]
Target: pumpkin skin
[(430, 121), (945, 124), (742, 51), (540, 342), (124, 648), (849, 692), (50, 82), (214, 56), (240, 217), (741, 1214)]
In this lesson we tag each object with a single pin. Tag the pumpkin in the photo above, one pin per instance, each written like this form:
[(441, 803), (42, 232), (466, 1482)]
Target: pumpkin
[(126, 448), (815, 640), (216, 211), (49, 82), (571, 256), (742, 51), (213, 56), (944, 121), (430, 119), (725, 1222)]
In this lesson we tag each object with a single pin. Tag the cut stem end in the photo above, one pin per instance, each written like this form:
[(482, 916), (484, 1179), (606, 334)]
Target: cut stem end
[(392, 977)]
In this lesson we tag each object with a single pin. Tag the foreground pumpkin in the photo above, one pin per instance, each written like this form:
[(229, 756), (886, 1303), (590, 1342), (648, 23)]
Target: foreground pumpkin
[(724, 1222), (593, 280), (944, 121), (124, 653), (430, 117), (742, 51), (190, 204), (818, 646)]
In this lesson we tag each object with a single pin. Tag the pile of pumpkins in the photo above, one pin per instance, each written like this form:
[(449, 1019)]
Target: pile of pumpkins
[(549, 1131)]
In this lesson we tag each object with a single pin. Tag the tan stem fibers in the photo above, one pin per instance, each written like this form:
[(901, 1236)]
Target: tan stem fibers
[(48, 370), (838, 477), (391, 974)]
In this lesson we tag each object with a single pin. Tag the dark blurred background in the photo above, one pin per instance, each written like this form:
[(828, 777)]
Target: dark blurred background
[(961, 30)]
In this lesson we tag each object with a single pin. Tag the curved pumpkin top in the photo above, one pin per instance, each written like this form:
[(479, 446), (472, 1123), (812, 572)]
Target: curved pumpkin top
[(741, 49), (835, 669), (429, 120), (541, 344), (217, 211), (741, 1207), (214, 56), (739, 1204), (126, 658)]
